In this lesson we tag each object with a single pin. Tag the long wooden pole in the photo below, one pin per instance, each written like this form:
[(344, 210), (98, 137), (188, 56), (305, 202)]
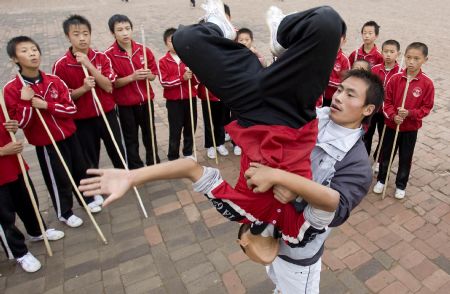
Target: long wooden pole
[(192, 119), (66, 168), (99, 105), (150, 111), (211, 124), (27, 180)]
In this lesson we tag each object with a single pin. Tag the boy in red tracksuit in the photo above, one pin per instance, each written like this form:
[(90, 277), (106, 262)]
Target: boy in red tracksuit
[(218, 114), (174, 76), (368, 50), (90, 124), (418, 104), (385, 71), (49, 94), (341, 65), (130, 93)]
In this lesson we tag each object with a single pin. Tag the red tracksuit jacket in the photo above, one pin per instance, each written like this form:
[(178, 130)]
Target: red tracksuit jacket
[(385, 75), (10, 168), (341, 65), (70, 71), (171, 78), (58, 116), (419, 100), (374, 57), (134, 93)]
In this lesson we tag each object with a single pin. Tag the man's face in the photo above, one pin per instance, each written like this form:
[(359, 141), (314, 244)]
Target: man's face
[(79, 37), (27, 55), (390, 53), (347, 106), (123, 32)]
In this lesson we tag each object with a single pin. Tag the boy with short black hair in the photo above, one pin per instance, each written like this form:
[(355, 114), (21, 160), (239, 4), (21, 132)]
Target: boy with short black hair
[(418, 104), (90, 124), (174, 76), (244, 36), (51, 95), (385, 70), (130, 93), (361, 64), (368, 50)]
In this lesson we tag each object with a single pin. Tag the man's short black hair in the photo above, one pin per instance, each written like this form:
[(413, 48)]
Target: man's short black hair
[(118, 18), (75, 20), (419, 46), (12, 45), (168, 33), (242, 229), (371, 23), (227, 10), (245, 31), (392, 43), (375, 89)]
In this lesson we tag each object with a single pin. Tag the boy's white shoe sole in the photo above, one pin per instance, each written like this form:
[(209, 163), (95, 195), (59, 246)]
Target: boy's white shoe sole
[(378, 188), (29, 263), (399, 193), (73, 221), (215, 13), (52, 235)]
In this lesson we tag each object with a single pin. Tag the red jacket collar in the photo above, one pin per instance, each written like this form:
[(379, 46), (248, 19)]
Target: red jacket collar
[(44, 79), (373, 51), (417, 77), (118, 50), (73, 61), (169, 57)]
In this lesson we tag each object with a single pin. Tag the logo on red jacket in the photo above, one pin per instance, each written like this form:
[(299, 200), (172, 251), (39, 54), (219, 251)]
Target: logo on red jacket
[(417, 91), (142, 59), (53, 93), (337, 66)]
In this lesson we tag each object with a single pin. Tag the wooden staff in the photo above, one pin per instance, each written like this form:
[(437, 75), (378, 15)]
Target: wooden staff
[(380, 142), (408, 79), (27, 180), (72, 181), (211, 124), (192, 117), (99, 105), (150, 111)]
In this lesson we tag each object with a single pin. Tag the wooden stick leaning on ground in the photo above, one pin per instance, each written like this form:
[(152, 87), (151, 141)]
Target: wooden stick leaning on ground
[(150, 111), (66, 168), (99, 105), (397, 129), (211, 124), (27, 180), (192, 118), (377, 157)]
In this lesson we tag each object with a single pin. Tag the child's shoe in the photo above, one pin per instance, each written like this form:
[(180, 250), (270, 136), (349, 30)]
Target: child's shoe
[(227, 137), (378, 188), (211, 153), (73, 221), (274, 16), (94, 207), (215, 13), (98, 199), (222, 150), (237, 150), (399, 193), (29, 263), (52, 235)]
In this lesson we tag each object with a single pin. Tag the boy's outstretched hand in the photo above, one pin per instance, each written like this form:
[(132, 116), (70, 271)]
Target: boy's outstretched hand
[(259, 177), (112, 183)]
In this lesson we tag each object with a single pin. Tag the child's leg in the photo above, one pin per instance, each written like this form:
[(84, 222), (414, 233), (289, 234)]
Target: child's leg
[(129, 125), (385, 155), (111, 149), (143, 118), (207, 124), (406, 144), (88, 130), (188, 137), (283, 93), (175, 118)]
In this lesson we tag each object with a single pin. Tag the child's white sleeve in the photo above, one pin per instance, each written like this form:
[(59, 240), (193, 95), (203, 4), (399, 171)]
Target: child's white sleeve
[(318, 218)]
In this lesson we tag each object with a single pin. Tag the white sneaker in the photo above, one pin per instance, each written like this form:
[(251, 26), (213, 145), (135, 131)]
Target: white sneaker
[(211, 153), (377, 167), (274, 16), (73, 221), (237, 150), (94, 207), (378, 188), (98, 199), (399, 193), (227, 137), (222, 150), (215, 13), (52, 235), (29, 263)]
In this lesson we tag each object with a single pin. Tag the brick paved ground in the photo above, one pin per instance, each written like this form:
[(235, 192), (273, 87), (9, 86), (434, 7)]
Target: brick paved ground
[(387, 246)]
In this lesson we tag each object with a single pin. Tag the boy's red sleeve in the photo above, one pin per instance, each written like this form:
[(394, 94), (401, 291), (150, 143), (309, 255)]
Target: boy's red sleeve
[(63, 107), (107, 69), (388, 104), (18, 109), (165, 78), (427, 105), (351, 58), (151, 63)]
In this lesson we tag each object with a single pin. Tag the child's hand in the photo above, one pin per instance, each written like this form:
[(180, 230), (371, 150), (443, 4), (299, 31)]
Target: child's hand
[(259, 177), (82, 59), (39, 103), (398, 119), (112, 183), (403, 112), (88, 83), (283, 195), (26, 93), (141, 74), (11, 148), (11, 125), (187, 75)]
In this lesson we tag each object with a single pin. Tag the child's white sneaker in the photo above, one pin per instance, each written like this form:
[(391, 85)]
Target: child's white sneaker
[(211, 153), (29, 263), (73, 221), (215, 13), (399, 193), (274, 16), (52, 235), (237, 150), (98, 199), (378, 188), (94, 207), (227, 137), (222, 150)]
